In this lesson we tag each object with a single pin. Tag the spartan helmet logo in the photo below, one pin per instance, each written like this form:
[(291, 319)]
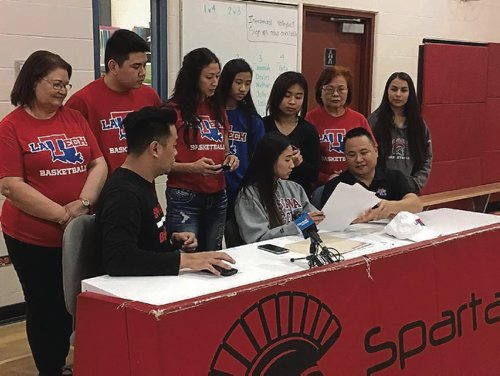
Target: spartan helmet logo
[(283, 334)]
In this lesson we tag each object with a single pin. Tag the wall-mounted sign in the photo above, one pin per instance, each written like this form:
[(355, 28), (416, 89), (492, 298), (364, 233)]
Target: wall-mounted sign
[(330, 57), (18, 64)]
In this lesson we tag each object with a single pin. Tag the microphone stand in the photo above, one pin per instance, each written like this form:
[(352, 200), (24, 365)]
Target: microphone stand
[(313, 255), (324, 257), (312, 259)]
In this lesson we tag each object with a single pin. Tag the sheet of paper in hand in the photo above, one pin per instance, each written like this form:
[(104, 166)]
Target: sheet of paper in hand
[(346, 203)]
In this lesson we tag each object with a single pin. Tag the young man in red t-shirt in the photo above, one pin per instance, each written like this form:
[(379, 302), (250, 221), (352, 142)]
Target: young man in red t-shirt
[(106, 101)]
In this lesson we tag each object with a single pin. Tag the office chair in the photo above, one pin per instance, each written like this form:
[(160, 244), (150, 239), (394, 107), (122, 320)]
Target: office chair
[(232, 235), (79, 259)]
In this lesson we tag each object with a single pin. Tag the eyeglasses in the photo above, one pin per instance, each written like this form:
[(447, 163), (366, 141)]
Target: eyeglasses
[(331, 89), (58, 86)]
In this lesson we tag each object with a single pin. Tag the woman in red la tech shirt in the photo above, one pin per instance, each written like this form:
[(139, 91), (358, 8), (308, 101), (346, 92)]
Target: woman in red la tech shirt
[(196, 195), (333, 119), (51, 171)]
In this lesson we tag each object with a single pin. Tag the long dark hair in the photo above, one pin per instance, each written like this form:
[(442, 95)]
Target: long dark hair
[(279, 89), (229, 72), (37, 66), (187, 94), (261, 173), (415, 124)]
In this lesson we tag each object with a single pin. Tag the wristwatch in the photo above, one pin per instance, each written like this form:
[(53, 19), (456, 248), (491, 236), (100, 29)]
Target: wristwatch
[(86, 203)]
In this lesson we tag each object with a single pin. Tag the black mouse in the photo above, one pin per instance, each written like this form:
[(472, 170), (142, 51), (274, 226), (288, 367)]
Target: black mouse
[(223, 272)]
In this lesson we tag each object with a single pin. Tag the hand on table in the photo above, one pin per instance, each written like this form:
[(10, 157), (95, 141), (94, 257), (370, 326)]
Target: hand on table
[(206, 260)]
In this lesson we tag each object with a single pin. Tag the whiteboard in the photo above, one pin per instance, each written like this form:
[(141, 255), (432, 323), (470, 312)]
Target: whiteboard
[(265, 35)]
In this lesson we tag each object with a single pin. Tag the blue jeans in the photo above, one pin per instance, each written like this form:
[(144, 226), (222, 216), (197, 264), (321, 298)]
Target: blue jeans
[(201, 213)]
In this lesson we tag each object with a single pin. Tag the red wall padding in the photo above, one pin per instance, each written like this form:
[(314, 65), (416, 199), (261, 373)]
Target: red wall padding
[(490, 157), (452, 135), (494, 70), (491, 126), (461, 105), (449, 175), (454, 74)]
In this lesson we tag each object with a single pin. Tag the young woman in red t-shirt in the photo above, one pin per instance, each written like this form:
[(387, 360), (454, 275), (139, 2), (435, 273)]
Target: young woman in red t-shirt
[(196, 195)]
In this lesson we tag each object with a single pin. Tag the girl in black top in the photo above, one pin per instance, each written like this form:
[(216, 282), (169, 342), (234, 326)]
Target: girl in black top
[(287, 106)]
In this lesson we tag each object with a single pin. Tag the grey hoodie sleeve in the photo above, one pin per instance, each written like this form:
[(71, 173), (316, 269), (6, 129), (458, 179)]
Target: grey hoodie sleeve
[(419, 178), (253, 221)]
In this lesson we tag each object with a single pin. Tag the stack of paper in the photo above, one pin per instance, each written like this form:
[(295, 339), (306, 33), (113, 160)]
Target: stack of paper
[(346, 203)]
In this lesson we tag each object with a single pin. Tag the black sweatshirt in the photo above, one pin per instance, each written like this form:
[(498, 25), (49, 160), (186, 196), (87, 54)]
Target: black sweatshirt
[(388, 184), (130, 228), (306, 138)]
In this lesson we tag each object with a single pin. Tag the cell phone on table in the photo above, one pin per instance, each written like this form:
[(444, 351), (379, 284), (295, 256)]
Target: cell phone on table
[(273, 249)]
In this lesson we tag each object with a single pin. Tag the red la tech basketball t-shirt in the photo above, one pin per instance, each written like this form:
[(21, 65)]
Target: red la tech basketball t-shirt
[(331, 137), (105, 110), (51, 155), (209, 143)]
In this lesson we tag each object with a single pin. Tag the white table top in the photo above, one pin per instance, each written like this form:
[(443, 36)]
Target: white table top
[(255, 265)]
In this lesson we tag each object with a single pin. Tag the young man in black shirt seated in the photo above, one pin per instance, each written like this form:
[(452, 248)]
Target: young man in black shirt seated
[(130, 223), (390, 186)]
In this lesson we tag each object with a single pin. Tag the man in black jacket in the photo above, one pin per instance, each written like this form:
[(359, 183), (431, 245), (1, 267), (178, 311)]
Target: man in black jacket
[(390, 186), (130, 223)]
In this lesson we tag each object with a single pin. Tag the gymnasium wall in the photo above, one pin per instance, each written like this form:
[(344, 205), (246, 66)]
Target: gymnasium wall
[(400, 28), (460, 103), (66, 28), (63, 27)]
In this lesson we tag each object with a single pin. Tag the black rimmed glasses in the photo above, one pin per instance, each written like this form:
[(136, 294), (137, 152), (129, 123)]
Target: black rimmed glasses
[(58, 85)]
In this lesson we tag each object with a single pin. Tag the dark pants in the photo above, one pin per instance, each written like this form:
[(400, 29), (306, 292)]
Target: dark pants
[(48, 324)]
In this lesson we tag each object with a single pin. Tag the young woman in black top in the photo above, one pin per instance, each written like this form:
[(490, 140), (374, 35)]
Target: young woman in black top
[(287, 106)]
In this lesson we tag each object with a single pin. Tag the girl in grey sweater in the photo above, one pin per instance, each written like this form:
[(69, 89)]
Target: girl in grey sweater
[(266, 200)]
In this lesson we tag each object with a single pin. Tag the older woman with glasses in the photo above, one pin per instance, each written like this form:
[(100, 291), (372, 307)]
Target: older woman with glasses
[(333, 119), (51, 171)]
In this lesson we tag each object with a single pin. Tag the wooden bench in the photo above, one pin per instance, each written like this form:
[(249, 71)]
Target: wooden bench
[(480, 196)]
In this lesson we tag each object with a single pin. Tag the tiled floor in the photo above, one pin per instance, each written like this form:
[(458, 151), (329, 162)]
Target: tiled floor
[(15, 355)]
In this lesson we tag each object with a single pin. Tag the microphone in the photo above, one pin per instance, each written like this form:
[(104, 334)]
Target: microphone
[(307, 227), (302, 221)]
